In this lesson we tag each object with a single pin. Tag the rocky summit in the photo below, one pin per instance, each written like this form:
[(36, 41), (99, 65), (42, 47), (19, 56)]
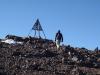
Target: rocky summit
[(37, 56)]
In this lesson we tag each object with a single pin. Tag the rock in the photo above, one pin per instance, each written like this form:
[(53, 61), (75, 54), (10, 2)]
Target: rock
[(34, 56)]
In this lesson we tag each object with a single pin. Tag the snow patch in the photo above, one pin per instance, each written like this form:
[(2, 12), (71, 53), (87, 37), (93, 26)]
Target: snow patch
[(11, 41)]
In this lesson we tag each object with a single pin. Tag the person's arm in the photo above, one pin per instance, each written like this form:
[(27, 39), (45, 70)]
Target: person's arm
[(62, 37)]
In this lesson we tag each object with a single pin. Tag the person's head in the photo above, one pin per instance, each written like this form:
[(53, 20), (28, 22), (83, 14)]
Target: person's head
[(58, 31)]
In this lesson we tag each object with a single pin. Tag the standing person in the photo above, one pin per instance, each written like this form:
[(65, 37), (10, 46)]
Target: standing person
[(58, 38)]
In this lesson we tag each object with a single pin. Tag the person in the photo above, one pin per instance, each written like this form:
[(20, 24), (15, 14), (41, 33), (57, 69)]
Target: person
[(58, 38)]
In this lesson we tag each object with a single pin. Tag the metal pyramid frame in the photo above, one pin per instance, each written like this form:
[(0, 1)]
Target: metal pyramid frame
[(37, 28)]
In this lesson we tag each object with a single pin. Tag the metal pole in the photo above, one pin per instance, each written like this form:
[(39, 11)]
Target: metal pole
[(35, 33), (39, 34), (44, 35), (29, 32)]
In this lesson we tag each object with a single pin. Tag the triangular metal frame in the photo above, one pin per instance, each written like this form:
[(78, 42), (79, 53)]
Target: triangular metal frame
[(37, 28)]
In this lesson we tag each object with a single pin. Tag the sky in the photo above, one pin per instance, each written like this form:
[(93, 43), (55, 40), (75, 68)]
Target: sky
[(78, 20)]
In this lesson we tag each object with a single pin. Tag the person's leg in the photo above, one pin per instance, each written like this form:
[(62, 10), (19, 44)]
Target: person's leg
[(57, 44)]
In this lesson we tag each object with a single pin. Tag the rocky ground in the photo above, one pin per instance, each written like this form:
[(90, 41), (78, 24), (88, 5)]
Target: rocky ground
[(35, 56)]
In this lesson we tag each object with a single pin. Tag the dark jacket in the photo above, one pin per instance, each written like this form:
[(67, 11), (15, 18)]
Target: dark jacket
[(59, 37)]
